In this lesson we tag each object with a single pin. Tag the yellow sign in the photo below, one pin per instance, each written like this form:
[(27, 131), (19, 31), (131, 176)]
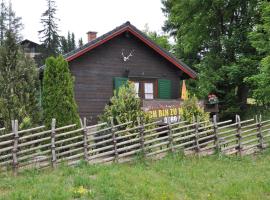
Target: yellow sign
[(167, 112)]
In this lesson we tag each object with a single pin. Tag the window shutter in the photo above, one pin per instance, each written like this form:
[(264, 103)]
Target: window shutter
[(164, 89), (119, 81)]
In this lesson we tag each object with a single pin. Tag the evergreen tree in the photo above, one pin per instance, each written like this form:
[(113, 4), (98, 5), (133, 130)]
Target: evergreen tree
[(9, 21), (67, 44), (212, 36), (49, 33), (14, 23), (80, 42), (18, 83), (64, 45), (72, 42), (3, 19), (58, 93), (124, 107)]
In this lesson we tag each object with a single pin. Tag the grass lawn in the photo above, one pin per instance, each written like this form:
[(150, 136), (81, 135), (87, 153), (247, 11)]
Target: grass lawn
[(174, 177)]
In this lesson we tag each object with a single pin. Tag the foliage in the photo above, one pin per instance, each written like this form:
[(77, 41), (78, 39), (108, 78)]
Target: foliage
[(19, 84), (260, 39), (9, 22), (58, 93), (67, 44), (191, 109), (212, 36), (49, 33), (80, 42), (161, 39), (124, 106), (173, 177), (26, 123)]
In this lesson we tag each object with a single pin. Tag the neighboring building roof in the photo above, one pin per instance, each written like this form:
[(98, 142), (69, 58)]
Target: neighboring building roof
[(26, 41), (137, 33)]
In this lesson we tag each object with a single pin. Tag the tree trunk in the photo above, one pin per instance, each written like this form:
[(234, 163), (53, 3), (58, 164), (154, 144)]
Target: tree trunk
[(242, 95)]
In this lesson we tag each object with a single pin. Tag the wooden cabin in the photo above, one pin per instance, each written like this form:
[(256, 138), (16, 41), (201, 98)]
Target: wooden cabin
[(30, 48), (125, 53)]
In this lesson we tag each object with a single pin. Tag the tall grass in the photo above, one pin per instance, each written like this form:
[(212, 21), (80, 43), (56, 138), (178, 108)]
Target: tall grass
[(174, 177)]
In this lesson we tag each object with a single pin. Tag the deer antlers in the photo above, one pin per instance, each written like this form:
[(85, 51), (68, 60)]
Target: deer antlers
[(126, 58)]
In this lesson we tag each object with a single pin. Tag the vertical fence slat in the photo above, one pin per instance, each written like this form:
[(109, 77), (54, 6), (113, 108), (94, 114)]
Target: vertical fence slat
[(85, 138), (53, 143), (239, 134), (215, 129), (141, 130), (259, 130), (170, 135), (198, 149), (113, 130), (15, 146)]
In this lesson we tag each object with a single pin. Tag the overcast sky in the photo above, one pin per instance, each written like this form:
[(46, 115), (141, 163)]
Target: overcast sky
[(80, 16)]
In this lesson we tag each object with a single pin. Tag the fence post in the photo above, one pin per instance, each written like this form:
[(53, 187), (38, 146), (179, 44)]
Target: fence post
[(85, 143), (215, 127), (15, 146), (260, 135), (114, 141), (198, 149), (170, 135), (239, 134), (53, 143), (141, 135)]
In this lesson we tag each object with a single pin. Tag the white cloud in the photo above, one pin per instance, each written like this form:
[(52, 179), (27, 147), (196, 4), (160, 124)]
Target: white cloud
[(80, 16)]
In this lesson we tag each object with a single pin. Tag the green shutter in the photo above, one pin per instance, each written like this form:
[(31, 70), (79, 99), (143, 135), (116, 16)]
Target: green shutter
[(119, 81), (164, 89)]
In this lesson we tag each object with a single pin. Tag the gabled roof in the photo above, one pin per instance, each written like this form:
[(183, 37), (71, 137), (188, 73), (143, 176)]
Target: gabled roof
[(137, 33), (26, 41)]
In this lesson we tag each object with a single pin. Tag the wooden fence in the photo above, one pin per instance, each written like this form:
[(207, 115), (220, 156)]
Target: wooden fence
[(39, 147)]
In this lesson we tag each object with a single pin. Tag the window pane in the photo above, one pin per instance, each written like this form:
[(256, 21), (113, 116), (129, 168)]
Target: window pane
[(149, 96), (137, 85), (148, 88)]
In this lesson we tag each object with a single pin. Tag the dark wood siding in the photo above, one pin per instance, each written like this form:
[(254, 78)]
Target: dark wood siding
[(95, 70)]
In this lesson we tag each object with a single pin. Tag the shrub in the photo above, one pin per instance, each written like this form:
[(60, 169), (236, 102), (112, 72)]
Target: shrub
[(58, 94), (124, 107), (191, 109)]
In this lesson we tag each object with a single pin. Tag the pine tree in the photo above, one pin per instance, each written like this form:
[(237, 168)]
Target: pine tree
[(68, 44), (49, 33), (64, 45), (9, 21), (58, 93), (19, 84), (3, 19), (14, 23), (72, 42), (80, 42)]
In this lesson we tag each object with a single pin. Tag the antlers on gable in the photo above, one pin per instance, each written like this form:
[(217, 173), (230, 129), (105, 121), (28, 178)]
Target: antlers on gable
[(126, 58)]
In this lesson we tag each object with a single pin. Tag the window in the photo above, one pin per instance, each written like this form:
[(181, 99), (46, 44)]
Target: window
[(137, 88), (145, 89), (148, 90)]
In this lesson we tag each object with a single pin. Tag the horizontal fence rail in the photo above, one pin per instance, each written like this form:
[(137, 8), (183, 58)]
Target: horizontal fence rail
[(41, 146)]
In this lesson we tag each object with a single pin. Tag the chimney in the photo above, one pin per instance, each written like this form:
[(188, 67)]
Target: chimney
[(91, 35)]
